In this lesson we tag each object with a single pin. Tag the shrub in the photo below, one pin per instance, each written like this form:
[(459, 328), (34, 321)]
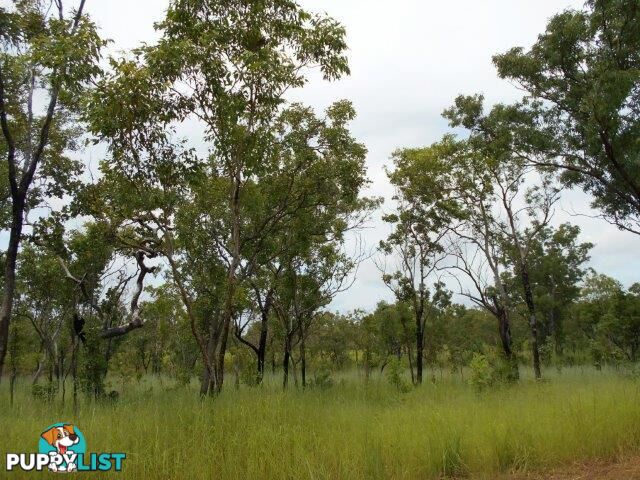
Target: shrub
[(481, 372), (46, 391), (395, 372), (490, 369)]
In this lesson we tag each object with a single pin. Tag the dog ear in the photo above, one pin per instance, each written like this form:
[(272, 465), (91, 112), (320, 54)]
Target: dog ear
[(69, 428), (50, 436)]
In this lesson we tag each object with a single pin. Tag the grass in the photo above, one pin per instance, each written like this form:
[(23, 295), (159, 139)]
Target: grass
[(352, 430)]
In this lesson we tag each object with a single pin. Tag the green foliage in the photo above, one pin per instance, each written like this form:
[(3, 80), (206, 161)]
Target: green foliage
[(452, 463), (396, 375), (481, 372), (609, 317), (580, 115), (491, 369), (46, 391), (92, 368)]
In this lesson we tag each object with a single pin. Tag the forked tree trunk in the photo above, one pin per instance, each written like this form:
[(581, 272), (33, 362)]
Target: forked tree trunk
[(208, 379)]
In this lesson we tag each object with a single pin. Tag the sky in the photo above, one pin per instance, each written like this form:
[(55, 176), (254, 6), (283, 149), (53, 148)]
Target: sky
[(409, 59)]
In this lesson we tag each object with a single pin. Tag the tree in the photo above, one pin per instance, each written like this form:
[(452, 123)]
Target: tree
[(43, 53), (386, 332), (557, 269), (581, 112), (228, 65), (608, 316), (47, 309), (417, 242), (491, 152), (307, 199)]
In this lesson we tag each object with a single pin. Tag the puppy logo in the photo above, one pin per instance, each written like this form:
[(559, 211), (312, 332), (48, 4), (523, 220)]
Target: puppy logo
[(62, 448), (62, 442)]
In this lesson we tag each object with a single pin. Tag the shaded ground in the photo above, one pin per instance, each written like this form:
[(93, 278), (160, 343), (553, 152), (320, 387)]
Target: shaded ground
[(622, 469)]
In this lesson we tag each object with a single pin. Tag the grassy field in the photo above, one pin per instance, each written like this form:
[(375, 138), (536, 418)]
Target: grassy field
[(352, 430)]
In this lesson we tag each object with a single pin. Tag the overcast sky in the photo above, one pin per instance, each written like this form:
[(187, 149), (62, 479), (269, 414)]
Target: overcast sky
[(409, 60)]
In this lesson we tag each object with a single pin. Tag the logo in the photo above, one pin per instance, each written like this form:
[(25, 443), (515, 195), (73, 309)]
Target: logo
[(62, 448)]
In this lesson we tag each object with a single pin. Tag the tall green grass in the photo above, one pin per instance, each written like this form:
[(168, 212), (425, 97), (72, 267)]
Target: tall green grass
[(355, 429)]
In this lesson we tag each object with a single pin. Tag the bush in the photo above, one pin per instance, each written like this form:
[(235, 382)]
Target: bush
[(395, 372), (490, 369), (46, 391), (481, 372)]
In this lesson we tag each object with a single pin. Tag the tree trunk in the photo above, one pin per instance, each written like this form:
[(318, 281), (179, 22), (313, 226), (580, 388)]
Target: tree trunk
[(231, 274), (41, 362), (208, 380), (294, 369), (419, 352), (262, 346), (303, 359), (504, 327), (285, 363), (533, 320), (10, 275), (12, 385)]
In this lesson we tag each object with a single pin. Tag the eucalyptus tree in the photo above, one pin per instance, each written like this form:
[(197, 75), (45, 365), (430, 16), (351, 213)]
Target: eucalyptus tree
[(522, 198), (384, 333), (478, 203), (418, 245), (557, 270), (307, 199), (95, 278), (47, 59), (453, 187), (228, 65), (310, 280), (581, 113), (47, 309)]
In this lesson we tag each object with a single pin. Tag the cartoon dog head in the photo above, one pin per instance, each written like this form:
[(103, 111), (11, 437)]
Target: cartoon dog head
[(61, 437)]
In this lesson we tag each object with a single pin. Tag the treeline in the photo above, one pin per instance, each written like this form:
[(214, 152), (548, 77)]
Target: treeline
[(599, 325), (203, 256)]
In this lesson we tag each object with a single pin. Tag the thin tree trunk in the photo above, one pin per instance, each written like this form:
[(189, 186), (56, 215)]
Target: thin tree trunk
[(294, 369), (262, 353), (285, 363), (533, 320), (40, 366), (264, 334), (504, 327), (419, 352), (74, 373), (12, 384), (303, 359), (231, 275)]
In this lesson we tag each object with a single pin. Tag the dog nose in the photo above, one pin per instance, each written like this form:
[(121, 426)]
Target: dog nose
[(73, 437)]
